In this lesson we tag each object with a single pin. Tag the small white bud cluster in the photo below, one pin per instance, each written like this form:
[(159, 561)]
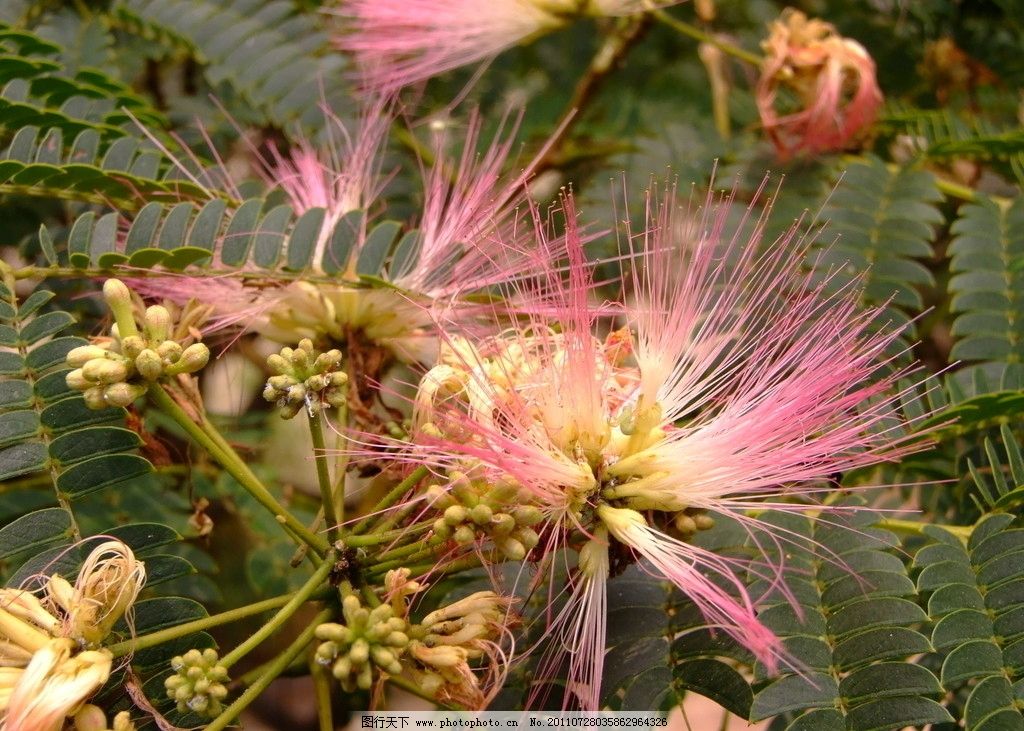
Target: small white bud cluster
[(472, 509), (118, 370), (198, 682), (307, 378), (369, 638)]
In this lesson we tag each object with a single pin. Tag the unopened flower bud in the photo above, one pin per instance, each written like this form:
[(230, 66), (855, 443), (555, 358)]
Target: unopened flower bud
[(76, 380), (132, 346), (149, 365), (123, 394), (158, 322), (169, 351), (119, 299), (78, 357), (195, 357), (102, 370), (94, 398)]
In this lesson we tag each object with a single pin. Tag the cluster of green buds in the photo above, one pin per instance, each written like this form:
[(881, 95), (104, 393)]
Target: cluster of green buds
[(369, 638), (92, 718), (307, 378), (198, 682), (117, 370), (473, 509)]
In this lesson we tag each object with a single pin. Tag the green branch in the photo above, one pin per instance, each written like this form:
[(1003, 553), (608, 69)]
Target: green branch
[(210, 439), (285, 613), (183, 630), (323, 476), (393, 496), (274, 668)]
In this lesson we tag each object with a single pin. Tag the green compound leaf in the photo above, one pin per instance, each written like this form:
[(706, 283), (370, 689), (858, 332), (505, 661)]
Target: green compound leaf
[(988, 266), (856, 627)]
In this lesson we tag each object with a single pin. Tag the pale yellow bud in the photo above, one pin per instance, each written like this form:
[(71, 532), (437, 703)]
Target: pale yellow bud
[(123, 394), (78, 357), (76, 380), (94, 398), (119, 299), (105, 371), (195, 357), (158, 322)]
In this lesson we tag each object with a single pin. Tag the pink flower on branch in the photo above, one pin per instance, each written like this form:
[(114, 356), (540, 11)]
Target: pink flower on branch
[(737, 382), (403, 42)]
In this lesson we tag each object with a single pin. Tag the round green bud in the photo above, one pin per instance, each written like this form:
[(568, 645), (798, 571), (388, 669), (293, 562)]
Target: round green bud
[(481, 514), (464, 535), (169, 351), (149, 365), (455, 514)]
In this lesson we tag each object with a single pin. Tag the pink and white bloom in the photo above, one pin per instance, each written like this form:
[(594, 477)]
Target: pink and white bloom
[(403, 42), (833, 79), (467, 241), (736, 380)]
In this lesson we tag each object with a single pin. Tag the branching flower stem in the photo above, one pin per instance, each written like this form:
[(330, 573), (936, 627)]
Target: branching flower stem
[(153, 639), (323, 477), (207, 436), (391, 498), (283, 615), (697, 34), (274, 668)]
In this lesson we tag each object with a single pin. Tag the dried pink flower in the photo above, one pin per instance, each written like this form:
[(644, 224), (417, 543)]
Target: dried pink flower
[(832, 78)]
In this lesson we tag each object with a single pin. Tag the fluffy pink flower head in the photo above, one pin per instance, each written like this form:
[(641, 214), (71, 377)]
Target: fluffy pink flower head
[(832, 78), (402, 42), (467, 241), (736, 381)]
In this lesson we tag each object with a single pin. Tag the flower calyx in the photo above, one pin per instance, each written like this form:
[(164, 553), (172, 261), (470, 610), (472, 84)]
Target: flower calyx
[(115, 371), (306, 377), (198, 683)]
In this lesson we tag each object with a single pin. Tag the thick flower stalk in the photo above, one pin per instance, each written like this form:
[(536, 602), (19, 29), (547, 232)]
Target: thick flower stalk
[(116, 370), (736, 381), (402, 42), (50, 655), (832, 79)]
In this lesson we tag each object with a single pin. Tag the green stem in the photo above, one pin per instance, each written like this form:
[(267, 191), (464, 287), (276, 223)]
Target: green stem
[(914, 527), (323, 475), (375, 539), (322, 691), (183, 630), (460, 564), (285, 613), (209, 439), (412, 552), (274, 668), (341, 469), (392, 497), (697, 34)]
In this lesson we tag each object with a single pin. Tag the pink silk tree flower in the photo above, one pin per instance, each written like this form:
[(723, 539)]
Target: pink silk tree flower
[(470, 203), (403, 42), (735, 383), (832, 79)]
